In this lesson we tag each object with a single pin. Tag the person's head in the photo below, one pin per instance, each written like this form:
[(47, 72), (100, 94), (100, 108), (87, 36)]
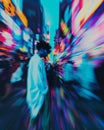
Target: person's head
[(43, 48)]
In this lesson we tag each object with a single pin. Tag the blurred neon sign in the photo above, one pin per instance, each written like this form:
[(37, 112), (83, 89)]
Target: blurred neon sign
[(82, 10), (9, 7), (11, 10)]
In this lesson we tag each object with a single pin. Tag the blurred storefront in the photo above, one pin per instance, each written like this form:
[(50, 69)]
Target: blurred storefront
[(15, 23)]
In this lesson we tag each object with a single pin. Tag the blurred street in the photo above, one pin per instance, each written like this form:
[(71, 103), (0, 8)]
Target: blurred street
[(67, 39)]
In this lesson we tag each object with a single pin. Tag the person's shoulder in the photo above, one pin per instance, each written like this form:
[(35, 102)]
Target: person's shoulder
[(35, 58)]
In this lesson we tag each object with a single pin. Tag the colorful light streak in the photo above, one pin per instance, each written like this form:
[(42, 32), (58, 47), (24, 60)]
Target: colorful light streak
[(75, 94)]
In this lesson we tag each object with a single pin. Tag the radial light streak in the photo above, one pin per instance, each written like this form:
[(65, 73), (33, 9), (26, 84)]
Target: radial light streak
[(81, 15)]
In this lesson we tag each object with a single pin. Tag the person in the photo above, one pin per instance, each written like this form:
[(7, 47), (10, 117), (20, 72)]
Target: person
[(37, 87)]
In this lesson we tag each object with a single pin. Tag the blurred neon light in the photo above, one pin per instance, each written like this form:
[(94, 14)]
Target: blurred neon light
[(8, 38), (9, 7), (8, 42), (7, 35), (24, 49), (99, 50), (89, 7), (82, 10), (64, 27), (22, 17), (11, 10), (9, 22)]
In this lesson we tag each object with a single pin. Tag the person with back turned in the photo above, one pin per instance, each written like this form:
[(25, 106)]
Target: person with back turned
[(37, 88)]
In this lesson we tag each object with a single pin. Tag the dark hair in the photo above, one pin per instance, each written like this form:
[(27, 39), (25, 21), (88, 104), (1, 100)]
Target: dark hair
[(43, 45)]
